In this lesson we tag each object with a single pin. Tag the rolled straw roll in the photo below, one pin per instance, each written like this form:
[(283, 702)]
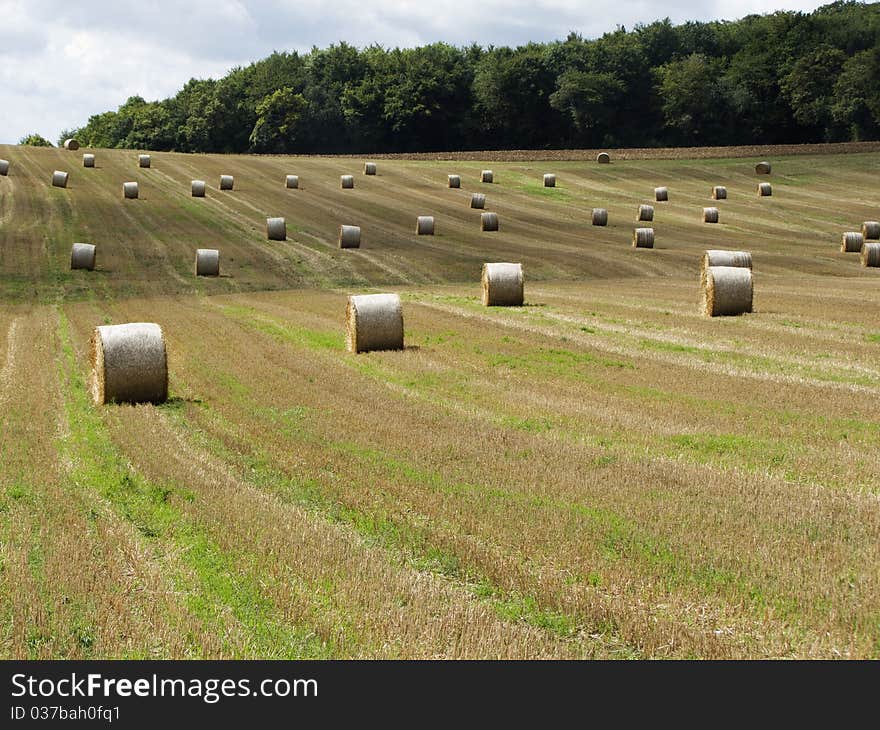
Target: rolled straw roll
[(600, 217), (88, 160), (726, 290), (765, 190), (549, 180), (373, 322), (144, 160), (643, 238), (71, 144), (871, 230), (349, 236), (227, 182), (130, 190), (603, 158), (82, 256), (762, 168), (719, 192), (502, 285), (851, 242), (199, 187), (871, 254), (276, 229), (661, 194), (488, 221), (129, 364), (710, 215), (59, 179), (716, 257), (478, 200), (4, 167), (486, 176), (291, 182), (425, 225), (454, 181), (347, 181), (646, 213), (369, 168), (207, 262)]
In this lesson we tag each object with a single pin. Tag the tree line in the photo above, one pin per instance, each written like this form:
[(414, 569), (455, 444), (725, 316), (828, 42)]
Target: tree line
[(786, 77)]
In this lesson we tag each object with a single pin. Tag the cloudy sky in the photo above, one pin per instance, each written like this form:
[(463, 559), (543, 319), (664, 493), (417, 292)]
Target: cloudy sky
[(61, 62)]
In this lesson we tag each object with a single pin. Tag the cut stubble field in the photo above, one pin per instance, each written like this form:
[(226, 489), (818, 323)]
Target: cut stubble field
[(602, 473)]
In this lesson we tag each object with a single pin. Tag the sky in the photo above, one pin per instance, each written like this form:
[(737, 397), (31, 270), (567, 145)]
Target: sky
[(61, 62)]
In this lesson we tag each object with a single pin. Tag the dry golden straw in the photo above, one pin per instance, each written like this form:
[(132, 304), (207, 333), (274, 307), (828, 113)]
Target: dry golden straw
[(661, 194), (502, 285), (726, 290), (369, 168), (549, 180), (82, 256), (478, 200), (199, 187), (144, 160), (603, 158), (71, 144), (207, 262), (646, 213), (347, 181), (643, 238), (130, 190), (454, 181), (227, 182), (129, 364), (871, 230), (425, 225), (88, 160), (276, 229), (486, 176), (291, 182), (762, 168), (710, 215), (373, 322), (600, 217), (59, 179), (765, 190), (871, 254), (719, 192), (851, 242), (349, 236), (488, 221)]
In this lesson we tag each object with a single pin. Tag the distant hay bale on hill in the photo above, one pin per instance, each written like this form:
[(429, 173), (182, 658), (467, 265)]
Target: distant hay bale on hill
[(276, 229), (661, 194), (549, 180), (199, 187), (871, 230), (144, 160), (454, 181), (716, 257), (488, 221), (347, 181), (719, 192), (871, 254), (291, 182), (71, 144), (129, 364), (487, 176), (59, 179), (643, 238), (88, 160), (646, 213), (369, 168), (603, 158), (130, 190), (82, 256), (227, 182), (762, 168), (425, 225), (710, 215), (600, 217), (478, 200), (851, 242), (373, 322), (726, 290), (502, 285), (207, 262), (4, 167), (349, 236), (765, 190)]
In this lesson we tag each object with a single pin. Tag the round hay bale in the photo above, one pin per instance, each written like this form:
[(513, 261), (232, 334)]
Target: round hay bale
[(726, 290), (82, 256), (487, 176), (349, 236), (130, 190), (373, 322), (226, 182), (292, 182), (59, 179), (765, 190), (4, 167), (549, 180), (207, 262), (129, 364), (603, 158), (851, 242), (454, 181), (347, 181), (276, 229), (871, 230), (199, 188), (661, 194), (646, 213), (88, 160), (502, 285), (600, 217), (710, 215), (716, 257), (71, 144), (719, 192), (478, 200), (488, 221), (643, 238), (425, 225), (144, 160), (762, 168), (369, 168), (871, 254)]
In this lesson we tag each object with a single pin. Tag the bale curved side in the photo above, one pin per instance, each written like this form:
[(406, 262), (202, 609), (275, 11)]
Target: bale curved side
[(130, 190), (765, 190), (603, 158), (454, 181), (726, 290), (291, 182), (199, 187), (646, 213), (488, 221), (129, 364), (207, 262), (373, 322), (82, 256), (478, 201), (4, 167), (717, 257), (349, 236), (71, 144), (487, 176), (762, 168), (549, 180), (600, 217), (425, 225), (276, 229), (144, 161), (643, 238), (369, 168), (59, 179), (502, 285), (227, 182), (851, 242), (719, 192), (710, 215), (661, 194), (346, 181), (871, 230), (88, 160), (871, 254)]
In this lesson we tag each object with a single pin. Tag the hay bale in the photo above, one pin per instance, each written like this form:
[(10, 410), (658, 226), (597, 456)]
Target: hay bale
[(199, 187), (71, 144), (643, 238), (710, 215), (347, 181), (719, 192), (762, 168), (82, 256), (765, 190), (726, 290), (478, 200), (487, 176), (661, 194), (502, 285), (373, 322), (715, 257), (59, 179), (603, 158), (129, 364), (276, 229), (226, 182), (292, 182), (88, 160), (425, 225), (130, 190), (549, 180), (207, 262), (600, 217), (4, 167), (349, 236), (646, 213), (488, 221), (871, 254), (871, 230), (851, 242), (144, 160), (369, 168), (454, 181)]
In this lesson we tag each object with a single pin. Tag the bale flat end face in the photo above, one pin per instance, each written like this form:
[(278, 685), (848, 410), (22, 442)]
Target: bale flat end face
[(71, 144), (129, 364), (373, 322), (502, 285), (726, 291), (603, 158), (762, 168)]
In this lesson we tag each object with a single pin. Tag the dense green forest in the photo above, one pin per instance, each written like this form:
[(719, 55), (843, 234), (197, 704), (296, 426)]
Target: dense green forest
[(787, 77)]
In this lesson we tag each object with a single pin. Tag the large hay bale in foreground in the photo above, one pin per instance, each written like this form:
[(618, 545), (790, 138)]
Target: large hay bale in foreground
[(425, 225), (349, 236), (549, 180), (488, 221), (276, 229), (871, 230), (369, 168), (130, 190), (646, 213), (851, 242), (765, 190), (478, 200), (710, 215), (129, 364), (199, 187), (661, 194), (88, 160), (144, 160), (726, 290), (373, 322), (762, 168), (59, 179), (347, 181), (871, 254), (719, 192), (603, 158), (227, 182), (82, 256), (487, 176), (716, 257), (600, 217), (643, 238), (502, 285), (207, 262), (4, 167), (454, 181), (291, 182), (71, 144)]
